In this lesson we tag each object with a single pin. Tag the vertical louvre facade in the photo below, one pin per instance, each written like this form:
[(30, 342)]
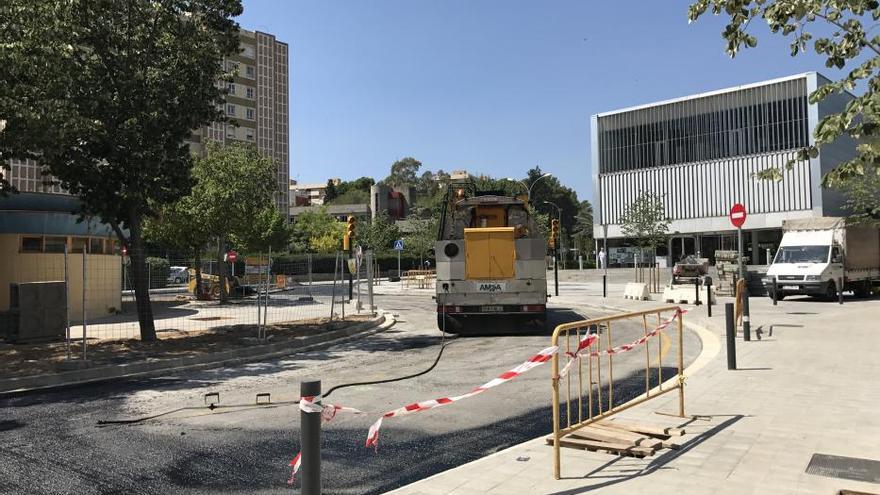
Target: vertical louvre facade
[(700, 154)]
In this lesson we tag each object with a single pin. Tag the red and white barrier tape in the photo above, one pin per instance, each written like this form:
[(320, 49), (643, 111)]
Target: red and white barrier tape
[(533, 362), (588, 340), (309, 404), (328, 412)]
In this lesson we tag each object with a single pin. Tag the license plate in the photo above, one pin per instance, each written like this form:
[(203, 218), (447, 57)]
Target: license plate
[(790, 287), (492, 287), (493, 309)]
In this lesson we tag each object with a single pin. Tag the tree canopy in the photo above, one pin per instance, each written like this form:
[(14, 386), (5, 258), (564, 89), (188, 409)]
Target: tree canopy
[(404, 173), (841, 32), (104, 95)]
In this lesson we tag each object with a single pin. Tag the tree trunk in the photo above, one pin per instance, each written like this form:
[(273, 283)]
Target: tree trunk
[(140, 280), (221, 269), (198, 261)]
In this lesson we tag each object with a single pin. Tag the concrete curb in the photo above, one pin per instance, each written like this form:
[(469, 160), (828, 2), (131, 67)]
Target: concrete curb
[(20, 385), (711, 347)]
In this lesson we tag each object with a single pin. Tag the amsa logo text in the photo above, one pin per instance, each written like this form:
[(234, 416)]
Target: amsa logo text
[(491, 287)]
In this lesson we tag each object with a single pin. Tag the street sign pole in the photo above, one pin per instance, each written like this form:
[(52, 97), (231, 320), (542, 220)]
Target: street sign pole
[(398, 263), (739, 241)]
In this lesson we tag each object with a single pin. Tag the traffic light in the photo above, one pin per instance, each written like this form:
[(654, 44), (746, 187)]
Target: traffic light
[(349, 234), (554, 232)]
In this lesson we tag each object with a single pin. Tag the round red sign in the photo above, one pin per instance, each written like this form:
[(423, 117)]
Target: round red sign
[(738, 215), (231, 256)]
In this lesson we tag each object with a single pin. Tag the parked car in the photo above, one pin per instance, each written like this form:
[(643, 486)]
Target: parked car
[(178, 275)]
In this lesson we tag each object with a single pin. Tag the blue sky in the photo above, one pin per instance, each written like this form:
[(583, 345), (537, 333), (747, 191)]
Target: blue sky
[(491, 86)]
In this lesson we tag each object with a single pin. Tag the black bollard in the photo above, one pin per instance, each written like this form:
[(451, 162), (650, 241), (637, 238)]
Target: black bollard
[(747, 324), (604, 286), (697, 290), (775, 289), (709, 296), (840, 291), (731, 336), (310, 439)]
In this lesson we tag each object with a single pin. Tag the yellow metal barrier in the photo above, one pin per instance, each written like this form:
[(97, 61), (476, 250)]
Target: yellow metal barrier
[(590, 409)]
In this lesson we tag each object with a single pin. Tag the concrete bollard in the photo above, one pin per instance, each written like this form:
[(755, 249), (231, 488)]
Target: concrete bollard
[(310, 440)]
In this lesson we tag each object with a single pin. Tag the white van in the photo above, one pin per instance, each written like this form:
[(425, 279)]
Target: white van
[(817, 255)]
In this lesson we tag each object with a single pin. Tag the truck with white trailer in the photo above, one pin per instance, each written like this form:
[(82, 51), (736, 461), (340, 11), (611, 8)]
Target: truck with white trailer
[(823, 255)]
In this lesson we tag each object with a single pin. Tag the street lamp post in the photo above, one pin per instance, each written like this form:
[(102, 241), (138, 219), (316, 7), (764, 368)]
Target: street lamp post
[(529, 187)]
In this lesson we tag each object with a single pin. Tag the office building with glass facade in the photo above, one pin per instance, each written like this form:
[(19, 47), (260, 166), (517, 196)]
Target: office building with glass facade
[(701, 153)]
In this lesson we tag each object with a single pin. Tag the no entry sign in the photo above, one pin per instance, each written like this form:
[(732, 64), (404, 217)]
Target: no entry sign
[(738, 215), (231, 256)]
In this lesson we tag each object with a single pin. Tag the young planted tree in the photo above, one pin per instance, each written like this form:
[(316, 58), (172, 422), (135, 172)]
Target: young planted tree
[(317, 231), (235, 185), (104, 95), (852, 44), (379, 234), (231, 200), (420, 240), (645, 221)]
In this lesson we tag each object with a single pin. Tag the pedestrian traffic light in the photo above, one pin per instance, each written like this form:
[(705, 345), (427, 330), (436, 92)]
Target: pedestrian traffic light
[(349, 234), (554, 232)]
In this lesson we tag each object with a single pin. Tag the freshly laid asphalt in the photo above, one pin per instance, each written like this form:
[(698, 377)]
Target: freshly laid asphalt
[(51, 443)]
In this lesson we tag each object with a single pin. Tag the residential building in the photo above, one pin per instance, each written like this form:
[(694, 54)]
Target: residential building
[(700, 155), (308, 194), (258, 105)]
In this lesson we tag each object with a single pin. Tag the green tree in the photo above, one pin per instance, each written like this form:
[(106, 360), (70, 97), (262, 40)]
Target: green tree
[(181, 226), (861, 197), (269, 229), (105, 93), (404, 173), (549, 190), (231, 201), (421, 237), (379, 234), (330, 193), (317, 231), (582, 232), (234, 190), (849, 46), (645, 221)]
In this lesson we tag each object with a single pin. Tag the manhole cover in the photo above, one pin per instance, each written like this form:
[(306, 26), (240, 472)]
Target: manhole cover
[(848, 468), (211, 318)]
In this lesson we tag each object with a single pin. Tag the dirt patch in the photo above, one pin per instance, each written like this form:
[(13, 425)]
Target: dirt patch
[(33, 359)]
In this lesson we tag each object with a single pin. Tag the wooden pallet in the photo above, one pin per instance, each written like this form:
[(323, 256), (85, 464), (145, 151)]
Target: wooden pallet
[(624, 438)]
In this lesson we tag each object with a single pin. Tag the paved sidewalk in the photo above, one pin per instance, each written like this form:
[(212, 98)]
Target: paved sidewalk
[(808, 386)]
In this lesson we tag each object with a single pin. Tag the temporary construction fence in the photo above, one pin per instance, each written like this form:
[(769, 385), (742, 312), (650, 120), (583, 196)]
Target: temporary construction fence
[(588, 348), (96, 300)]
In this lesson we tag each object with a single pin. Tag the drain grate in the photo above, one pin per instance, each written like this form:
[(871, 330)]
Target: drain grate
[(848, 468)]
